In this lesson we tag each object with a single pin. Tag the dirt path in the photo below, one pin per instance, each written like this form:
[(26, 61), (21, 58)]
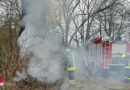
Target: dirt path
[(102, 83), (107, 83)]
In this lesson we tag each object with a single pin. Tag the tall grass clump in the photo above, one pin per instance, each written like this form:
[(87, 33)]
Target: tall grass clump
[(10, 62)]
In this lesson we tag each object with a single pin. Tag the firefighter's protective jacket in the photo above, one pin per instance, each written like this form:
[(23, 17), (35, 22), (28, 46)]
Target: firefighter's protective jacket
[(71, 66)]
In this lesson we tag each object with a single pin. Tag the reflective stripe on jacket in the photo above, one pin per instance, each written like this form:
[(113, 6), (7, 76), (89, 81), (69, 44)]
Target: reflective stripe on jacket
[(127, 67)]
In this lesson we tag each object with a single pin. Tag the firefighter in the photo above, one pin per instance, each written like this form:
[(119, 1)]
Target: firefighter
[(127, 67), (70, 66)]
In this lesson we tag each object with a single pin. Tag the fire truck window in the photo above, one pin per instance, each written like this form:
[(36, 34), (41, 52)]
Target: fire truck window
[(118, 48), (106, 42)]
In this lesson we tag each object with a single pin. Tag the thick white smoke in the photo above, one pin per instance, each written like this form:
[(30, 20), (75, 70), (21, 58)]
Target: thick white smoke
[(46, 63)]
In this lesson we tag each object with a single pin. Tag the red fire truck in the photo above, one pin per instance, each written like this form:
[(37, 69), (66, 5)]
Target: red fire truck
[(105, 55)]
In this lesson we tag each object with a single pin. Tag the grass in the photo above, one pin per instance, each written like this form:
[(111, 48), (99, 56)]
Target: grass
[(10, 63)]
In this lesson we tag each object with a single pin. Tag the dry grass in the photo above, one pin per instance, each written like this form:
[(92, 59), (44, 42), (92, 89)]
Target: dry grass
[(9, 68), (10, 63)]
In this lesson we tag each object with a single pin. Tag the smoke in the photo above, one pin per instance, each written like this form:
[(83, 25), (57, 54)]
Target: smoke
[(46, 63)]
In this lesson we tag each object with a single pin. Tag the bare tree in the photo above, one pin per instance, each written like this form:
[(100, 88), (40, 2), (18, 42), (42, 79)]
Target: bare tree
[(11, 18), (113, 22), (75, 18), (93, 7)]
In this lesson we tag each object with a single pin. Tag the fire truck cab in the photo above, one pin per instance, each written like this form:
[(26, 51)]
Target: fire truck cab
[(106, 55)]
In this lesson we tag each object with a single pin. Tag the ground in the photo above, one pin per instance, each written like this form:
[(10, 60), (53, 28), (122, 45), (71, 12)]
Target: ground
[(92, 83)]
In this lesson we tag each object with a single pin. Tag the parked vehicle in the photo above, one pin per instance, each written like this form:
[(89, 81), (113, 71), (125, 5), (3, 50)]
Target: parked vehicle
[(105, 55)]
